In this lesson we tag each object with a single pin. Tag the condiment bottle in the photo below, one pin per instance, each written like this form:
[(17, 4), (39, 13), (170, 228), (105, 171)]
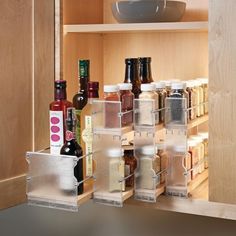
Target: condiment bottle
[(132, 75), (149, 104), (149, 166), (145, 71), (130, 166), (177, 104), (116, 169), (162, 94), (127, 99), (204, 135), (194, 152), (163, 160), (111, 95)]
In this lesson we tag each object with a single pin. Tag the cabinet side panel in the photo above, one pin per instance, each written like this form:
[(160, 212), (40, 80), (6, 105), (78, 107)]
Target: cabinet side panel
[(222, 109), (43, 69), (182, 56), (16, 85), (15, 98), (195, 11)]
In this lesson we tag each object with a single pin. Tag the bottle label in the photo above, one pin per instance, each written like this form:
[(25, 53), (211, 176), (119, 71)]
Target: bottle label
[(78, 126), (66, 178), (127, 170), (56, 131), (87, 137)]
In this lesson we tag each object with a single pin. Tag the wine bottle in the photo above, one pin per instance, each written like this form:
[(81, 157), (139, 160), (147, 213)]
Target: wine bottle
[(57, 115), (80, 99), (72, 148), (86, 125), (145, 71)]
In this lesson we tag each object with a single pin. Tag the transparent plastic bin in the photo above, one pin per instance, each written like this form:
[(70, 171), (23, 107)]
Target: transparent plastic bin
[(51, 182), (107, 145)]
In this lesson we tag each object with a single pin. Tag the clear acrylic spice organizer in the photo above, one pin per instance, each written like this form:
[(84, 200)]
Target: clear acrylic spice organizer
[(45, 175), (177, 125), (108, 135), (146, 127)]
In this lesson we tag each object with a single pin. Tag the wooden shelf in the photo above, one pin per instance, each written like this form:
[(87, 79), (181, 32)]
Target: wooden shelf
[(198, 121), (198, 26), (198, 181)]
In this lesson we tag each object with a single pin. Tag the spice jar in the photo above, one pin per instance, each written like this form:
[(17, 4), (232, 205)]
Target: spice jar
[(201, 91), (177, 104), (191, 101), (199, 140), (160, 90), (116, 169), (167, 87), (163, 159), (130, 166), (149, 166), (126, 98), (204, 135), (148, 103), (112, 109), (205, 93), (194, 152)]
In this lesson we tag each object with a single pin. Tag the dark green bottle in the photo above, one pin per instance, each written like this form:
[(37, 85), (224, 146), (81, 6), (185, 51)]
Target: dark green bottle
[(80, 99)]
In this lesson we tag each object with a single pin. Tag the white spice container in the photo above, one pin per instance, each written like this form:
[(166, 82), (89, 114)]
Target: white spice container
[(149, 166), (116, 169)]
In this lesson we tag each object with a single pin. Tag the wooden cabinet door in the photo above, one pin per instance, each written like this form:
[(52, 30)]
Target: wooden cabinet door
[(222, 107), (27, 73)]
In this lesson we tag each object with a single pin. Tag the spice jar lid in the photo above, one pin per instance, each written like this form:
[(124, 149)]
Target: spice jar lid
[(160, 146), (111, 88), (189, 83), (204, 135), (167, 82), (192, 143), (197, 83), (148, 87), (178, 85), (148, 150), (180, 148), (115, 152), (125, 86), (198, 138), (159, 85), (203, 80)]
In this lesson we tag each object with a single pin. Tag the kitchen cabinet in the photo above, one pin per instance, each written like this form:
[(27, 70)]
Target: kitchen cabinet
[(195, 47)]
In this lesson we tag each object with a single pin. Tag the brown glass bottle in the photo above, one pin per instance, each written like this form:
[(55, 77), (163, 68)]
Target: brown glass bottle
[(130, 166), (145, 72), (80, 99), (132, 75)]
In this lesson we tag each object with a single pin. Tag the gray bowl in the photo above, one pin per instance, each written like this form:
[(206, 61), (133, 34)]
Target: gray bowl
[(145, 11)]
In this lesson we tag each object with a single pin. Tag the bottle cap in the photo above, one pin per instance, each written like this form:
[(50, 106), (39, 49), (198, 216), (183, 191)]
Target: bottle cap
[(180, 148), (159, 85), (203, 80), (177, 85), (111, 88), (189, 83), (148, 87), (197, 83), (115, 152), (125, 86), (196, 137), (60, 84), (148, 150), (145, 60), (167, 82), (131, 61), (204, 135)]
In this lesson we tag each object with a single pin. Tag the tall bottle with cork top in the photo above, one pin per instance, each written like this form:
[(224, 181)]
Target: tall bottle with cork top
[(58, 109), (132, 75), (80, 99), (86, 125)]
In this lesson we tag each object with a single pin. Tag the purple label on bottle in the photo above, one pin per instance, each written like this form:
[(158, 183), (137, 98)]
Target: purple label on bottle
[(55, 120), (55, 138)]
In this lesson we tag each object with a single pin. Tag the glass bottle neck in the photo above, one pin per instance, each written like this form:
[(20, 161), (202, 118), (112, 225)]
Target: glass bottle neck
[(60, 94), (146, 73), (131, 73)]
